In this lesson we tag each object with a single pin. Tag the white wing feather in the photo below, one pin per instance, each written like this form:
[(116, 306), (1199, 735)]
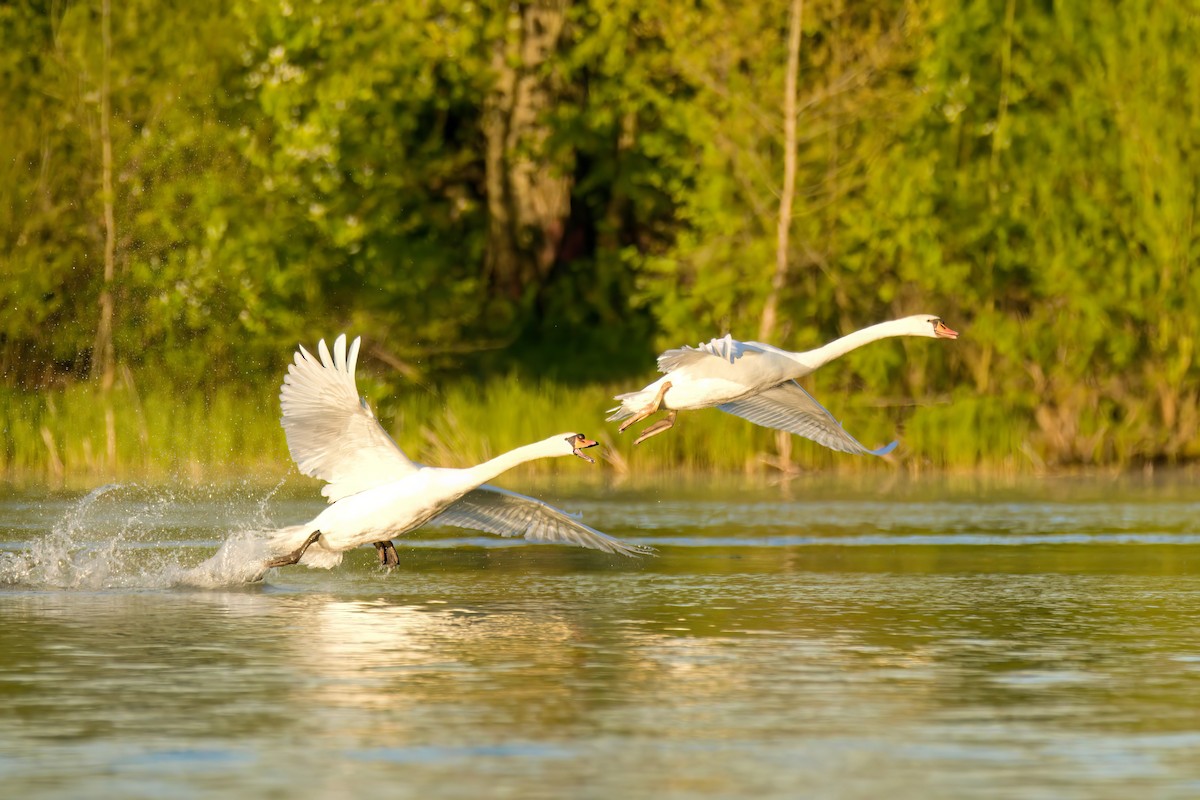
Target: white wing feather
[(504, 513), (727, 349), (331, 432), (788, 407)]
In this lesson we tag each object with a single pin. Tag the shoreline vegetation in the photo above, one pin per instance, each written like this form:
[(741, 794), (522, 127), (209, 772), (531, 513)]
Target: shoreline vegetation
[(519, 205), (62, 437)]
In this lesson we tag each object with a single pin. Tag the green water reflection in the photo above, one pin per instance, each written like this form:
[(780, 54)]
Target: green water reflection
[(777, 647)]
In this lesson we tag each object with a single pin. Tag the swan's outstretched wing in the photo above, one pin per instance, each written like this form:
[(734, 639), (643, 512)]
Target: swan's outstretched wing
[(499, 511), (331, 432), (788, 407), (727, 349)]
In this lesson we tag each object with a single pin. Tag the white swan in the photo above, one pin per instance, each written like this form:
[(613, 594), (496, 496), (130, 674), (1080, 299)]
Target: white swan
[(757, 382), (376, 492)]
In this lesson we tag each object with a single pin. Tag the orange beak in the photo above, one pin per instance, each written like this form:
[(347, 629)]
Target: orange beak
[(580, 444), (943, 332)]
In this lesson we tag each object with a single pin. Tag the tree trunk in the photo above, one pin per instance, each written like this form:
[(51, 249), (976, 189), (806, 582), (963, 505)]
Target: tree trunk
[(103, 357), (528, 197), (766, 326)]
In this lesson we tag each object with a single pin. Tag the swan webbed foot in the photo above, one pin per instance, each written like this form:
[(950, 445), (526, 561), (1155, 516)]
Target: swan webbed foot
[(651, 407), (387, 554), (662, 425), (294, 556)]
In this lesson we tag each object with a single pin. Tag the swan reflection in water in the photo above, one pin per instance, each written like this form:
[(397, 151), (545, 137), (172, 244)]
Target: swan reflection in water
[(412, 665)]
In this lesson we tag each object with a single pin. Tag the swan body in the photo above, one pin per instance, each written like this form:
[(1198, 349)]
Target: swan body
[(376, 492), (757, 382)]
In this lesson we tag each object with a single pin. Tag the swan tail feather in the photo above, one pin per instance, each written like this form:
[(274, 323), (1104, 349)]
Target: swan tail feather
[(631, 403), (620, 412)]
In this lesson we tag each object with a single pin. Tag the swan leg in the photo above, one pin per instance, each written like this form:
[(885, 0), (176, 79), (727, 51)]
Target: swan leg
[(650, 408), (294, 556), (387, 554), (663, 424)]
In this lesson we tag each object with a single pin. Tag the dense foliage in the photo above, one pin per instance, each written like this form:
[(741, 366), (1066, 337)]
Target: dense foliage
[(560, 188)]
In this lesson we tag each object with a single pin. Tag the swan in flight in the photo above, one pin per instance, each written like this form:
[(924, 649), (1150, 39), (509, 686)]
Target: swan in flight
[(757, 382), (375, 491)]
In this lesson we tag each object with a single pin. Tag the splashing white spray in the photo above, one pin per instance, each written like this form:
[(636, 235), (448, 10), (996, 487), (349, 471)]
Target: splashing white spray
[(60, 558), (238, 560), (119, 542)]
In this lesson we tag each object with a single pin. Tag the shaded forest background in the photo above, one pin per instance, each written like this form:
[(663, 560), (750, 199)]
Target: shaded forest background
[(519, 204)]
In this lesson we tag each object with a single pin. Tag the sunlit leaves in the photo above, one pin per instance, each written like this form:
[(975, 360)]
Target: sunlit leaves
[(288, 170)]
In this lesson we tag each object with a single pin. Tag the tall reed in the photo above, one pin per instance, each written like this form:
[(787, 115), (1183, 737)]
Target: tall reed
[(60, 434)]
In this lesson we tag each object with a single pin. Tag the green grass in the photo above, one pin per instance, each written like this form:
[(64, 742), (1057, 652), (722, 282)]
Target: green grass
[(61, 435)]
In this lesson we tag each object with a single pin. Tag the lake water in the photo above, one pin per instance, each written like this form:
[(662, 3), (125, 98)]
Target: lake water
[(916, 640)]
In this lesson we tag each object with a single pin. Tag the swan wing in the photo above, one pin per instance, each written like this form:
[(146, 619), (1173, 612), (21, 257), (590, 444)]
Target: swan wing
[(331, 432), (508, 514), (726, 349), (787, 407), (745, 357)]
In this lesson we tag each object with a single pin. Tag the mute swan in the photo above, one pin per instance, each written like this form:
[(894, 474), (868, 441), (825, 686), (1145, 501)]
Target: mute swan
[(757, 382), (376, 492)]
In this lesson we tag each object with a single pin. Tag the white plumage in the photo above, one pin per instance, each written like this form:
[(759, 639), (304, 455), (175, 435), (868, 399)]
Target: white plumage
[(757, 382), (376, 492)]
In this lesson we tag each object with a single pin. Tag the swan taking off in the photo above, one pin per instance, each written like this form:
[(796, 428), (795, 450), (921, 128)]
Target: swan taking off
[(757, 382), (375, 491)]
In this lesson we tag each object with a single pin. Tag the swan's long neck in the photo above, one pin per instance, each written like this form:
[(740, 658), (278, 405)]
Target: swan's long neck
[(812, 359), (504, 462)]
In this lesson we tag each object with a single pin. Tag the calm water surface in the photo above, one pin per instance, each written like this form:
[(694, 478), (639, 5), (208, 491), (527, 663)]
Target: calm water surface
[(916, 641)]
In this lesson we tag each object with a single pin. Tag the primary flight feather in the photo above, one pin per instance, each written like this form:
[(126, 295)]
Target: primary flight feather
[(376, 492), (757, 382)]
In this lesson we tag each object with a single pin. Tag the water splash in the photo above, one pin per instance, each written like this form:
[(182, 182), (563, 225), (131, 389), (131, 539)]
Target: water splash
[(240, 557), (62, 558), (126, 536), (237, 561)]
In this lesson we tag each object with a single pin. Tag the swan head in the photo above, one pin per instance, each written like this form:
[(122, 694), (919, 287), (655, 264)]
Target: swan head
[(929, 325), (576, 443)]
